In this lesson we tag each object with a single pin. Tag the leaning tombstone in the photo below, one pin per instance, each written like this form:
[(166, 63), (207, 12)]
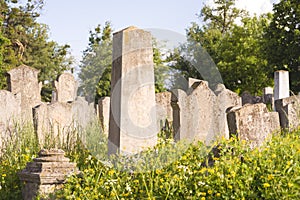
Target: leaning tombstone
[(132, 123), (289, 112)]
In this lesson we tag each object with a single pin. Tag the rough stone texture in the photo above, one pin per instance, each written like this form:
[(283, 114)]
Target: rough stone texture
[(164, 110), (194, 113), (252, 123), (281, 84), (225, 100), (103, 113), (24, 80), (59, 120), (83, 113), (46, 173), (10, 111), (53, 121), (132, 125), (66, 88), (247, 98), (289, 112)]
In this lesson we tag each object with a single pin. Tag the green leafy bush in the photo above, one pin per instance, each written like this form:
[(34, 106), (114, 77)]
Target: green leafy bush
[(269, 172), (171, 171)]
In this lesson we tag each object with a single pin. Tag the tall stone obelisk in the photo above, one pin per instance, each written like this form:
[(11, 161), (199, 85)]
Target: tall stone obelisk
[(132, 123)]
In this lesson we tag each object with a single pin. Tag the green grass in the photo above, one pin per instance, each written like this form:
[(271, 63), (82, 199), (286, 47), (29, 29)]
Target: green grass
[(170, 171)]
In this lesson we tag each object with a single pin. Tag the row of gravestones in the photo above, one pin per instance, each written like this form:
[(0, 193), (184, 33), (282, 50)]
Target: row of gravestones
[(22, 104), (134, 114), (197, 114)]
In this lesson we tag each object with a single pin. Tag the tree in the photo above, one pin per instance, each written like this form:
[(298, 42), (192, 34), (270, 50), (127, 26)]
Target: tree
[(283, 40), (241, 60), (222, 16), (97, 59), (222, 46), (28, 43)]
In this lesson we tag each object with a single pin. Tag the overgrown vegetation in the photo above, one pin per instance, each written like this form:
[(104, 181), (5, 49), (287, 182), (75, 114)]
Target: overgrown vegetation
[(169, 171)]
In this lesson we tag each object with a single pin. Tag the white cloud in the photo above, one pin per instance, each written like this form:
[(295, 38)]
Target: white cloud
[(253, 6)]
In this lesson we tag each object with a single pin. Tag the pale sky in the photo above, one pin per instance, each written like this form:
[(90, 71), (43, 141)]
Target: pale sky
[(70, 21)]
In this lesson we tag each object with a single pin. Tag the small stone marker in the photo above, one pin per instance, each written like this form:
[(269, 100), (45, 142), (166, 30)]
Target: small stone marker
[(268, 96), (282, 85), (289, 112), (66, 88), (103, 112), (163, 109), (46, 173), (132, 123)]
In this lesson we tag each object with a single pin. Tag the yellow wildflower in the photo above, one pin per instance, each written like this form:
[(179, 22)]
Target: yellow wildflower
[(266, 185)]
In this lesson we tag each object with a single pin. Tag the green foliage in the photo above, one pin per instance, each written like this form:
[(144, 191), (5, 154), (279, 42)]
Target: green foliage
[(21, 148), (270, 172), (222, 16), (28, 43), (241, 61), (96, 63), (236, 50), (283, 35)]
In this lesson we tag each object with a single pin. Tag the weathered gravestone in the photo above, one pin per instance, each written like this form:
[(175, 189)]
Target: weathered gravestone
[(10, 111), (46, 174), (194, 113), (289, 112), (103, 112), (132, 123), (53, 122), (24, 80), (225, 100), (164, 110), (66, 88), (82, 113), (59, 121), (200, 114), (252, 123)]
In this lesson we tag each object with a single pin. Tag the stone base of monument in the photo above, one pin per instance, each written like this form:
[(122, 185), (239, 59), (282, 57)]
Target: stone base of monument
[(46, 173)]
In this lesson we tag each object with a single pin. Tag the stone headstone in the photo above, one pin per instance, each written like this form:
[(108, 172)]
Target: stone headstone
[(194, 113), (252, 123), (10, 112), (46, 174), (132, 125), (289, 112), (24, 80), (83, 113), (164, 110), (225, 100), (103, 113), (53, 121), (281, 84), (66, 88)]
